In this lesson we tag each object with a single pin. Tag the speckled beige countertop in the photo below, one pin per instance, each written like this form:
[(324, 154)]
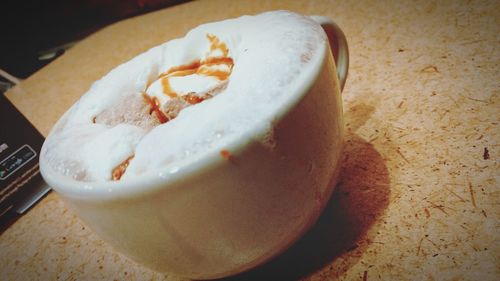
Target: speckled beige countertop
[(420, 194)]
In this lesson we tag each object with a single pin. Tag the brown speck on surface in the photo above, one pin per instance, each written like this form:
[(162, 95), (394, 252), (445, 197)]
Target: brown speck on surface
[(472, 197), (486, 154), (439, 207), (427, 213), (365, 275), (432, 242), (478, 100), (419, 246), (402, 155), (484, 213), (400, 50), (430, 69), (456, 195)]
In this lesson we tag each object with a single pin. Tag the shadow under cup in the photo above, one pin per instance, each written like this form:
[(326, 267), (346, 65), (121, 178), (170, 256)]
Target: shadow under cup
[(223, 215)]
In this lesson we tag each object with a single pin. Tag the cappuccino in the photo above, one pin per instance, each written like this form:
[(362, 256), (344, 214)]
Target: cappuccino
[(210, 154), (173, 104)]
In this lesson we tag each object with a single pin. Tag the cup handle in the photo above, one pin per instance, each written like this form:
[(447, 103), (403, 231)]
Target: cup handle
[(338, 44)]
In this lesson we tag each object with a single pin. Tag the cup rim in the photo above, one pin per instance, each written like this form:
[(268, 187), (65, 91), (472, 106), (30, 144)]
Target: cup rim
[(157, 179)]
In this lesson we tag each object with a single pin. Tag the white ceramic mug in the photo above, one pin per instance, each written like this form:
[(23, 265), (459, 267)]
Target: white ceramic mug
[(216, 217)]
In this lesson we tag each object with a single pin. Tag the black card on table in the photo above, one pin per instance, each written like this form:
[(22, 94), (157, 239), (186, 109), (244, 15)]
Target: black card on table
[(21, 184)]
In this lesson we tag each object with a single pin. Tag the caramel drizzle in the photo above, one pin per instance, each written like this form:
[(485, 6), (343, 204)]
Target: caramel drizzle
[(167, 90), (119, 170), (216, 44), (185, 69), (225, 154), (193, 99), (155, 108), (196, 67), (200, 67)]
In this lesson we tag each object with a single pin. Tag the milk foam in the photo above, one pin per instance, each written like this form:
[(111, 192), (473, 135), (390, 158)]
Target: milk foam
[(271, 52)]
